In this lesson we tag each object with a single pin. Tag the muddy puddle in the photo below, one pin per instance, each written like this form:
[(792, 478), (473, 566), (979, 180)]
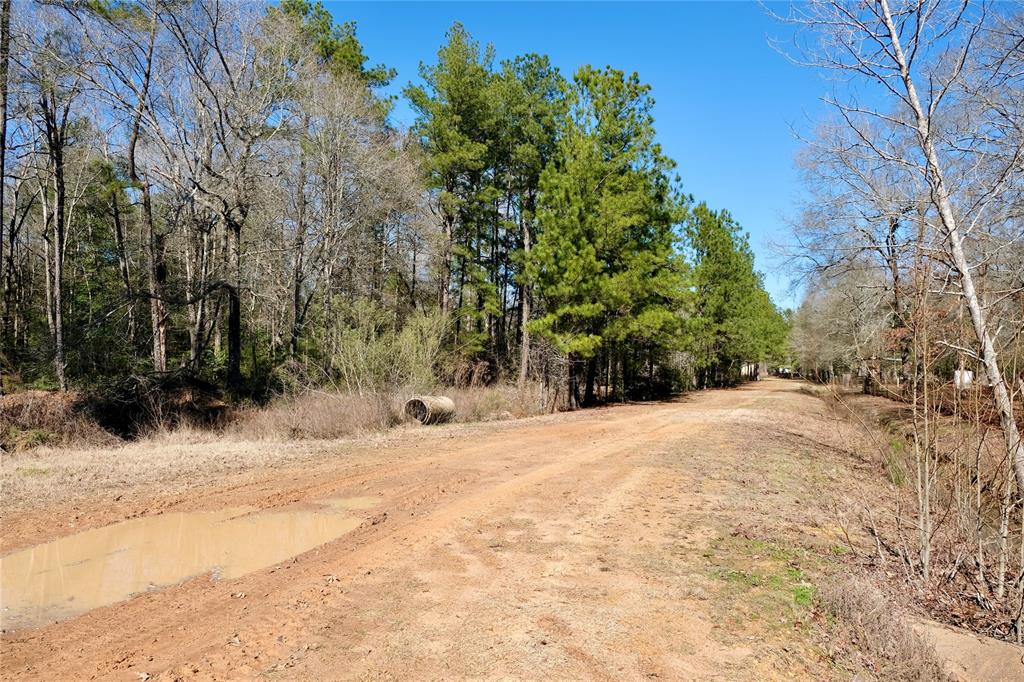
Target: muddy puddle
[(102, 566)]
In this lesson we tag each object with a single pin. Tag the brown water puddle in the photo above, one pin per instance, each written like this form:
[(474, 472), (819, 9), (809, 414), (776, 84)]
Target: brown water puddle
[(80, 572)]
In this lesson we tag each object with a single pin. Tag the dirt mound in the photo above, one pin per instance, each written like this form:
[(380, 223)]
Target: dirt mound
[(969, 656), (32, 418)]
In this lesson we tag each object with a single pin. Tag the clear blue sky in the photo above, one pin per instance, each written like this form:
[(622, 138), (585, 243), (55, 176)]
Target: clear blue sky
[(726, 102)]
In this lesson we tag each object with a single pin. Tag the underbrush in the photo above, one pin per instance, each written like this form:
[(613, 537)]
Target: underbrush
[(39, 418), (485, 403), (868, 632), (32, 419), (814, 567), (857, 627), (332, 414), (947, 530), (315, 415)]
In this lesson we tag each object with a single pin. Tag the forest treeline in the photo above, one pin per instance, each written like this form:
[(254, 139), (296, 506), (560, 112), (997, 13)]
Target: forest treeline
[(911, 240), (217, 188)]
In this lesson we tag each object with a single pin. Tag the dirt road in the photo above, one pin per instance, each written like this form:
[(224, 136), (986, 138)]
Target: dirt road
[(666, 540)]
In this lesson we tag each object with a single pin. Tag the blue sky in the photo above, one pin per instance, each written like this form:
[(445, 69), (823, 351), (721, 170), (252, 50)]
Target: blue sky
[(727, 104)]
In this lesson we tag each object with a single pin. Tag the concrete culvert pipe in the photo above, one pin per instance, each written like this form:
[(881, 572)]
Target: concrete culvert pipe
[(430, 409)]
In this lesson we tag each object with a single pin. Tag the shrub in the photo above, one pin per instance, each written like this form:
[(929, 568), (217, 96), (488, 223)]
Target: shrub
[(370, 355), (872, 631), (32, 418), (484, 403)]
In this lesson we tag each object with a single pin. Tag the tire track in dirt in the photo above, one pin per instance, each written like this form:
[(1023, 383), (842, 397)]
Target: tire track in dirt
[(551, 544), (509, 475), (315, 479)]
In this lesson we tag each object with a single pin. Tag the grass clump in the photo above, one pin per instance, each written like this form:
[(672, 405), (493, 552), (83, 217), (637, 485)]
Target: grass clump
[(803, 595), (487, 403), (316, 415), (894, 466), (869, 632), (32, 471)]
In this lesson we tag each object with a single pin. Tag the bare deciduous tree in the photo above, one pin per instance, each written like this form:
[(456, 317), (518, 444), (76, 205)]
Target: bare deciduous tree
[(896, 49)]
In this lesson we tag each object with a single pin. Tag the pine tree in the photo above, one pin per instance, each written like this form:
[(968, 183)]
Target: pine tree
[(605, 262), (456, 123), (336, 44), (734, 320), (530, 93)]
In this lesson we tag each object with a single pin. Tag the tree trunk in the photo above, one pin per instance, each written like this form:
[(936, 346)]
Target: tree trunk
[(234, 377), (524, 346), (12, 288), (59, 360), (940, 193), (898, 322), (588, 391), (573, 397), (298, 267), (157, 305), (445, 276), (614, 371), (55, 129), (5, 54), (198, 257), (155, 243), (458, 305), (328, 343), (123, 266)]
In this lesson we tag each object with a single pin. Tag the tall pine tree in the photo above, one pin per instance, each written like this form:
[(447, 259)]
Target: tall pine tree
[(456, 125), (605, 263)]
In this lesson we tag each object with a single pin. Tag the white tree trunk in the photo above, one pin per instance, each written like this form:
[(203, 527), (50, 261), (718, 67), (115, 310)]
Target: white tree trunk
[(954, 242)]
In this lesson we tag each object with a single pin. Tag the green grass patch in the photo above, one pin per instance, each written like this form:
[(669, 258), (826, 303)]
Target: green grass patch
[(803, 595), (32, 471), (894, 462), (764, 581), (14, 439)]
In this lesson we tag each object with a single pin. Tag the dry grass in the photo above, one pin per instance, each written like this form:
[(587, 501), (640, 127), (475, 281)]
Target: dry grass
[(330, 414), (317, 414), (497, 402), (40, 418), (965, 513), (872, 634), (288, 431), (164, 464)]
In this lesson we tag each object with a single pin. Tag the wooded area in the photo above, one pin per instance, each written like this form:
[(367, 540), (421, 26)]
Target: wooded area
[(913, 249), (214, 199), (216, 188)]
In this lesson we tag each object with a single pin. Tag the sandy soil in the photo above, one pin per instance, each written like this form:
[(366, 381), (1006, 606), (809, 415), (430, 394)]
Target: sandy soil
[(674, 540)]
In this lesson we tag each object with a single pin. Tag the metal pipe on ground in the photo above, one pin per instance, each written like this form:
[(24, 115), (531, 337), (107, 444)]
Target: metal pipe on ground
[(430, 409)]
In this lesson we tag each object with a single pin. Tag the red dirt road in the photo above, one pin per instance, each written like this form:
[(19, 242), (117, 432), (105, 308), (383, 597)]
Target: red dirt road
[(587, 545)]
